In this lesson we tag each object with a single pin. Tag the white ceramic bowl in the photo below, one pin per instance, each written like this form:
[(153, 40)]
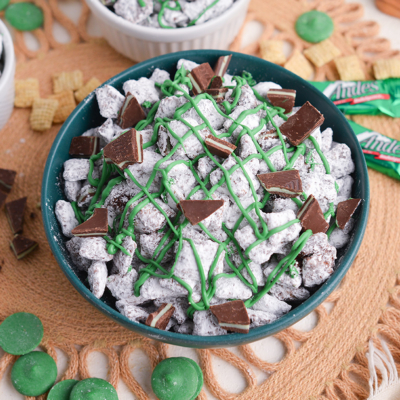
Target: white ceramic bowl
[(7, 77), (141, 43)]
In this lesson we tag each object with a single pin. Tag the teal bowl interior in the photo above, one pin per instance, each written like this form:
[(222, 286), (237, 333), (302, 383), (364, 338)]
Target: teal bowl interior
[(87, 116)]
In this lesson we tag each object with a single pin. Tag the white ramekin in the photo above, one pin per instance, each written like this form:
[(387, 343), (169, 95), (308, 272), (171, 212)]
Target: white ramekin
[(140, 43), (7, 77)]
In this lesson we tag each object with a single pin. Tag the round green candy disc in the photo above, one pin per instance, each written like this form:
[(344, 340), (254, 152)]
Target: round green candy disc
[(93, 389), (177, 378), (34, 374), (20, 333), (24, 16), (62, 390), (314, 26), (4, 4)]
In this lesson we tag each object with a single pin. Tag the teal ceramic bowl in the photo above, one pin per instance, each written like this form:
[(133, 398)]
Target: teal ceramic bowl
[(87, 116)]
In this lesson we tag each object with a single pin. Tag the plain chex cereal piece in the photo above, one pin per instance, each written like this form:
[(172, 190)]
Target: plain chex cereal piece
[(387, 68), (272, 51), (321, 53), (88, 88), (43, 111), (26, 91), (349, 68), (299, 65), (66, 104), (67, 81)]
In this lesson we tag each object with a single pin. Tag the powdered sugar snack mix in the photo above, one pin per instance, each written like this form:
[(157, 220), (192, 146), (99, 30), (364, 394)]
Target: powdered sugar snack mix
[(208, 203)]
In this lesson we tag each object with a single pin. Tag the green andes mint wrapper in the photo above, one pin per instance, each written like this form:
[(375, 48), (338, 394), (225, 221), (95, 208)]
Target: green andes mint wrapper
[(381, 152), (364, 97)]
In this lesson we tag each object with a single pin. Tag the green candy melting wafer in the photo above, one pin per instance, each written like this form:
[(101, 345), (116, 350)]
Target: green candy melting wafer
[(314, 26), (93, 389), (24, 16), (4, 4), (62, 390), (20, 333)]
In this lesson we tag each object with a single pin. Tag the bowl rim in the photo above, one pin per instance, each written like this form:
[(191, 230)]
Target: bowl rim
[(8, 49), (206, 341), (162, 35)]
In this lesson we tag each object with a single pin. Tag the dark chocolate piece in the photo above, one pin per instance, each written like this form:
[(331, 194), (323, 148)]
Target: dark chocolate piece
[(84, 146), (22, 246), (283, 183), (219, 147), (15, 214), (198, 210), (282, 98), (345, 210), (130, 113), (217, 94), (217, 83), (126, 150), (311, 216), (96, 225), (3, 197), (222, 65), (160, 318), (7, 178), (201, 77), (232, 316), (299, 126)]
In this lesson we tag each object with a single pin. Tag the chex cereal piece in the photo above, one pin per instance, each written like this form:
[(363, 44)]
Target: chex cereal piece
[(283, 183), (340, 161), (121, 260), (149, 243), (66, 104), (96, 225), (88, 88), (345, 210), (219, 147), (160, 318), (205, 324), (22, 246), (388, 68), (15, 214), (326, 138), (110, 101), (349, 68), (109, 131), (130, 113), (345, 184), (232, 316), (42, 115), (134, 313), (311, 217), (26, 91), (73, 246), (284, 98), (132, 10), (97, 277), (121, 286), (299, 65), (289, 293), (160, 76), (66, 217), (126, 150), (85, 195), (95, 249), (67, 81), (285, 279), (7, 178), (143, 89), (321, 53), (339, 238), (3, 198), (149, 219), (76, 169), (198, 210), (232, 288), (84, 146), (201, 77), (260, 318), (272, 305), (272, 51)]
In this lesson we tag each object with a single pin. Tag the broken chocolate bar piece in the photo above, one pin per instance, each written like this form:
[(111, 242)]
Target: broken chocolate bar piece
[(84, 146), (3, 197), (345, 210), (217, 83), (283, 183), (283, 98), (201, 77), (96, 225), (198, 210), (217, 94), (7, 178), (219, 147), (15, 214), (222, 65), (130, 113), (160, 318), (299, 126), (232, 316), (126, 150), (22, 246), (311, 216)]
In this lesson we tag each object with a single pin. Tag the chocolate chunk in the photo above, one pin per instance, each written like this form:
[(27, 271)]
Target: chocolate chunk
[(22, 246), (3, 197), (217, 94), (282, 98), (311, 216), (217, 83), (219, 147), (198, 210), (284, 183), (126, 150), (299, 126), (222, 65), (130, 113), (7, 178), (201, 77), (15, 214), (84, 146), (160, 318), (345, 210), (232, 316), (96, 225)]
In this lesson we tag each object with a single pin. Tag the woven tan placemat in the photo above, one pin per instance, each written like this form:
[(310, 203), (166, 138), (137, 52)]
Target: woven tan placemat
[(323, 367)]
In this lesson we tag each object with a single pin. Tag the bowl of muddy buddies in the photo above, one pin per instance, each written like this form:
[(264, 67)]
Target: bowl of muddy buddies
[(205, 199)]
